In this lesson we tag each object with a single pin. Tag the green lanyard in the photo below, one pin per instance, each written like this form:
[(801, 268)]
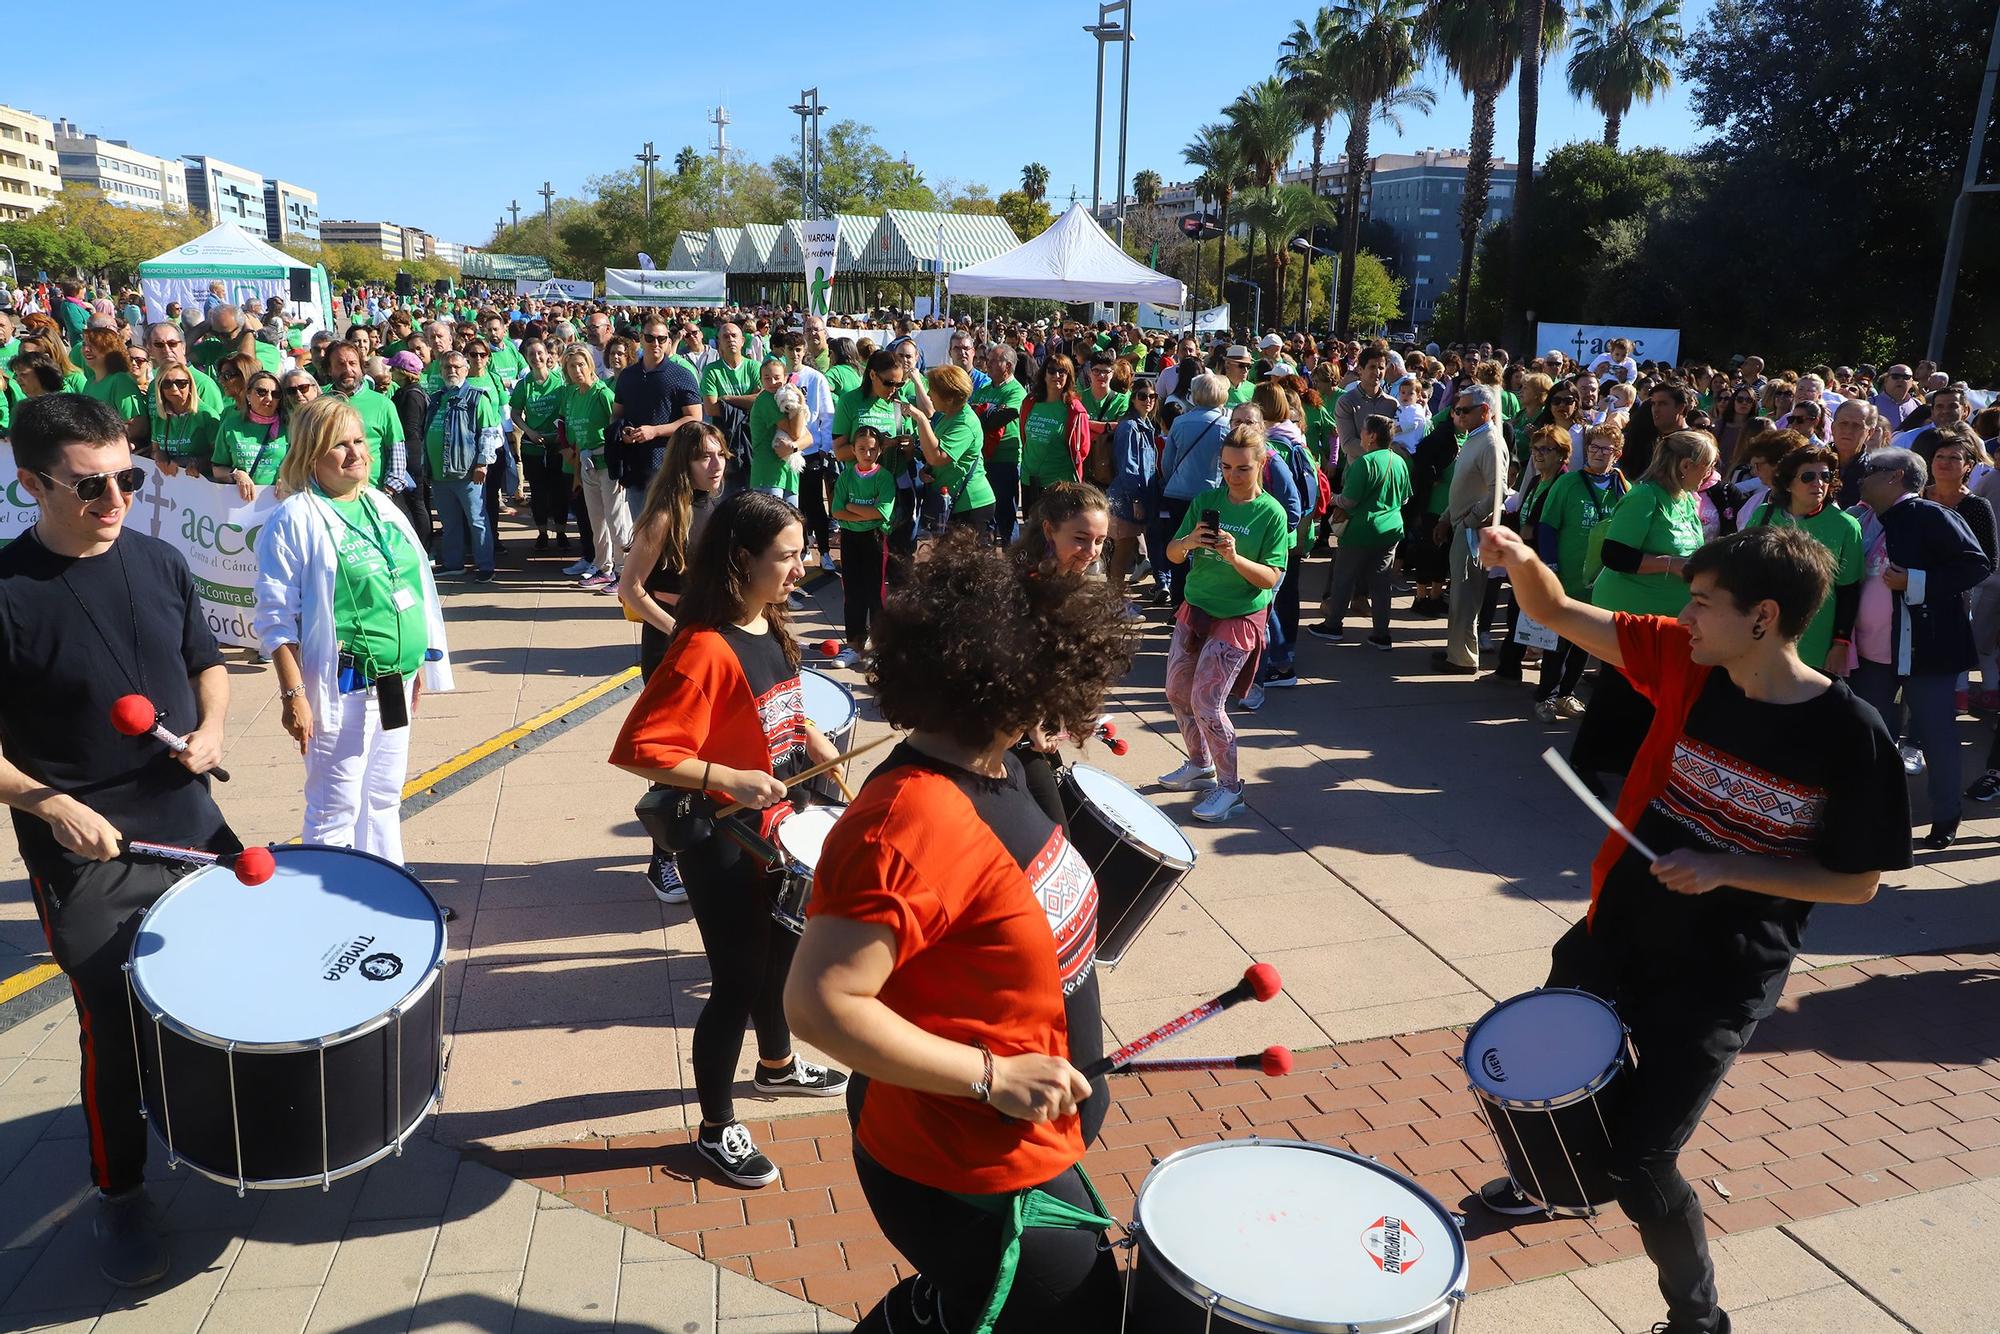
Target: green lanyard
[(377, 537)]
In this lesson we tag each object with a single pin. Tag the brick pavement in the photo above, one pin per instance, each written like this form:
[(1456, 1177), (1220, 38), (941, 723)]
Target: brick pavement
[(1875, 1080)]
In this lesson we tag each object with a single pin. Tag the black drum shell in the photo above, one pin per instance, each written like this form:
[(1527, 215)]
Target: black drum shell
[(1560, 1157), (1133, 882)]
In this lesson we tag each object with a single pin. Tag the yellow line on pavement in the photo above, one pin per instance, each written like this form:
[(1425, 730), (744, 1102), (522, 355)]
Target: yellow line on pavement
[(20, 983), (465, 759)]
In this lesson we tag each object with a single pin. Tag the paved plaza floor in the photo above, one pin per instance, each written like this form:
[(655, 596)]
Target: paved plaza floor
[(1405, 861)]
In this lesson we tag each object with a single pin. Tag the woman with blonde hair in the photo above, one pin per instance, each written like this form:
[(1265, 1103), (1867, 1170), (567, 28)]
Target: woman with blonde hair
[(953, 445), (250, 441), (348, 613), (585, 413)]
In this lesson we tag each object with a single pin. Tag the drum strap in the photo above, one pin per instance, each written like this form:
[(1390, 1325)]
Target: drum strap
[(1023, 1209)]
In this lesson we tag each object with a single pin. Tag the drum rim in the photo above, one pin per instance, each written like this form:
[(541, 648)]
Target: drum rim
[(160, 1016), (1201, 1294), (322, 1179), (853, 703), (1171, 860), (1597, 1083)]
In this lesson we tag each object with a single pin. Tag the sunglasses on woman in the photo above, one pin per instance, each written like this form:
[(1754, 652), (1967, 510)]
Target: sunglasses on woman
[(91, 488), (1812, 475)]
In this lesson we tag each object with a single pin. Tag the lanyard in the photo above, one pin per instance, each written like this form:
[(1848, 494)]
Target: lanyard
[(375, 535)]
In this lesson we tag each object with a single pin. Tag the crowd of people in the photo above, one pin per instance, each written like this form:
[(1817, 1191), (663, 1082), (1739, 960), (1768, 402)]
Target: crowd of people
[(1007, 525)]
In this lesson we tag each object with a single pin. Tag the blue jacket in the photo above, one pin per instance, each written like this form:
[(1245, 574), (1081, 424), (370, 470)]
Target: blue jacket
[(1135, 460), (1932, 629), (1191, 461)]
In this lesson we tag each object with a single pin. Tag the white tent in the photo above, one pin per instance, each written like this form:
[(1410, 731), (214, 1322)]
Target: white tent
[(248, 269), (1073, 261)]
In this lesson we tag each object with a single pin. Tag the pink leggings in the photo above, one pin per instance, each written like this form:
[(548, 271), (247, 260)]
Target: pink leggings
[(1198, 684)]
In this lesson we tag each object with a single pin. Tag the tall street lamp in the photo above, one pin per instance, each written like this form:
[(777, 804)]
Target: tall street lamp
[(1107, 30)]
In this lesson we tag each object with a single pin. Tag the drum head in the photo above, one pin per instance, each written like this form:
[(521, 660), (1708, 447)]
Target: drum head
[(1138, 819), (803, 834), (829, 704), (333, 941), (1300, 1236), (1543, 1045)]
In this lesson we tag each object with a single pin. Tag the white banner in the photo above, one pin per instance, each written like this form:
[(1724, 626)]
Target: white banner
[(1213, 320), (665, 287), (1583, 342), (822, 245), (208, 524), (555, 289)]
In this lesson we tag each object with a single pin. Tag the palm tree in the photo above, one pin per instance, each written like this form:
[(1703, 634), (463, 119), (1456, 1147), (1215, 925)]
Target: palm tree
[(1146, 188), (687, 161), (1215, 152), (1622, 49), (1480, 44), (1380, 54), (1265, 121), (1281, 213), (1035, 181), (1314, 79), (1541, 32)]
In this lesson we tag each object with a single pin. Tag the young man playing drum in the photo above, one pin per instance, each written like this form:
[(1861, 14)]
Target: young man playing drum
[(90, 613), (1765, 787)]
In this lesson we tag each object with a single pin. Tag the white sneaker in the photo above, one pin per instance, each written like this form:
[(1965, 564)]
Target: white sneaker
[(1219, 804), (1252, 700), (1190, 777), (1913, 759)]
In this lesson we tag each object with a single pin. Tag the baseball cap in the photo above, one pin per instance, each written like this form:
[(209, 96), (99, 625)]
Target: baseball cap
[(407, 361), (1269, 341)]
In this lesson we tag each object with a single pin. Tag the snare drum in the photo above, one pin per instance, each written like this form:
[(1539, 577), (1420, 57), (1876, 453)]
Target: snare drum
[(829, 707), (289, 1033), (1271, 1235), (1543, 1066), (1135, 852), (801, 835)]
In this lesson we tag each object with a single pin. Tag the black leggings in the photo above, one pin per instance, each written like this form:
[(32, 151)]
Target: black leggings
[(749, 955), (549, 488), (1066, 1279), (1562, 670), (864, 570), (1613, 727), (813, 484)]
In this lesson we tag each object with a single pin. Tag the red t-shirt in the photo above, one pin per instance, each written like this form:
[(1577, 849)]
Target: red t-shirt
[(977, 960), (726, 696)]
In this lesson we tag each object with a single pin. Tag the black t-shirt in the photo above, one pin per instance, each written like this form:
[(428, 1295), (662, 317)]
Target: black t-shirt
[(781, 701), (650, 398), (1820, 779), (75, 635), (1053, 867)]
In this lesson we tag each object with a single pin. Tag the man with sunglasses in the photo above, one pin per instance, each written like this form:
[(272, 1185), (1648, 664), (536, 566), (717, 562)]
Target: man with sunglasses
[(88, 613), (1894, 400), (651, 398)]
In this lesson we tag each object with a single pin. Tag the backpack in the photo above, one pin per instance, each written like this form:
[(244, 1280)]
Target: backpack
[(1306, 476)]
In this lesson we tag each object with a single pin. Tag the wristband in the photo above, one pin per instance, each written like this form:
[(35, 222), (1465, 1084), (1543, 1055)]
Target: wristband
[(293, 693), (983, 1090)]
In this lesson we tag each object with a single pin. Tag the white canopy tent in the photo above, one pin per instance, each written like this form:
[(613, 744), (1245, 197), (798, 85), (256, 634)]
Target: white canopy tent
[(247, 267), (1073, 261)]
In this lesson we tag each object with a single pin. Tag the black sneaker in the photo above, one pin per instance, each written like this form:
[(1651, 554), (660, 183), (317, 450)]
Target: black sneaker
[(1326, 630), (1283, 680), (131, 1250), (1502, 1197), (815, 1081), (731, 1151), (1380, 642), (1985, 787)]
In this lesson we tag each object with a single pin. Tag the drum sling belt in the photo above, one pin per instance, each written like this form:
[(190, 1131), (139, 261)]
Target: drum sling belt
[(1018, 1211)]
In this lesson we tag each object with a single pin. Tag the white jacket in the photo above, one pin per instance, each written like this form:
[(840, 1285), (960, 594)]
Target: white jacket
[(296, 565)]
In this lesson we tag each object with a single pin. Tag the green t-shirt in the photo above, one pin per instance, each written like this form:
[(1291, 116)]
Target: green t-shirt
[(877, 488), (380, 423), (1259, 528), (1379, 484), (242, 445), (998, 396), (1045, 445), (1320, 431), (767, 470), (507, 364), (1107, 409), (1654, 524), (378, 590), (536, 406), (586, 415), (1839, 532), (121, 391), (77, 382), (207, 396), (1573, 507), (1241, 393), (1439, 500), (960, 437), (188, 440), (857, 406), (842, 378), (718, 381)]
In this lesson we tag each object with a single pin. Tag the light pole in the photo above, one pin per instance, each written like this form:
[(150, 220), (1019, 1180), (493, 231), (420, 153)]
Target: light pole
[(809, 109), (647, 157), (1954, 246), (1106, 30)]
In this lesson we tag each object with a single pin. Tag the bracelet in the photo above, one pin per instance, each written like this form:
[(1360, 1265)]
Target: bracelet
[(983, 1090), (293, 693)]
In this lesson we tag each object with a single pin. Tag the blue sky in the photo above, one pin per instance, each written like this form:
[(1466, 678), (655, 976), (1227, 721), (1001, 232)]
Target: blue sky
[(436, 114)]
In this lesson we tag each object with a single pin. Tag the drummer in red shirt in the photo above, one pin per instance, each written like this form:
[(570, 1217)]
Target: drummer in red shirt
[(948, 954), (723, 713)]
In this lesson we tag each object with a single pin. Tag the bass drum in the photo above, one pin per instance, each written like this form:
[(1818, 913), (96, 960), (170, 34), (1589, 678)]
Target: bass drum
[(289, 1033)]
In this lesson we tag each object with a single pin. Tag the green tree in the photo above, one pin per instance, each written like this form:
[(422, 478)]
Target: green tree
[(1035, 181), (1281, 213), (1215, 154), (1376, 295), (1146, 188), (1541, 32), (1380, 54), (1314, 78), (1265, 122), (1619, 55), (687, 161), (1028, 217), (857, 175)]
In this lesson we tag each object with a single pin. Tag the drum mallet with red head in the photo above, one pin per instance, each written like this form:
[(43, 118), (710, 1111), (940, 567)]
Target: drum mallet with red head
[(1273, 1061), (134, 715), (1260, 982), (253, 866)]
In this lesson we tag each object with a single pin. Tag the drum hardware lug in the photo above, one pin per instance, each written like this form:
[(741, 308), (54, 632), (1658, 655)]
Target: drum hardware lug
[(132, 1021), (235, 1126), (325, 1162), (1458, 1221), (166, 1109)]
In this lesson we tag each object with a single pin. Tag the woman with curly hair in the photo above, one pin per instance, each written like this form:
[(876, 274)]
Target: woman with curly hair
[(724, 715), (948, 956)]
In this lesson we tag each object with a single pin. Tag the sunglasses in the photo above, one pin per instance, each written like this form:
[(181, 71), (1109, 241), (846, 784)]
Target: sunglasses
[(1464, 409), (659, 338), (91, 488), (177, 384), (1547, 451), (479, 356), (263, 392), (301, 390), (1897, 375), (1811, 475)]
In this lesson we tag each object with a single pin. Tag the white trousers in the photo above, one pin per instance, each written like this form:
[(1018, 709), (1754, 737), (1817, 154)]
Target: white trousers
[(354, 779), (610, 523)]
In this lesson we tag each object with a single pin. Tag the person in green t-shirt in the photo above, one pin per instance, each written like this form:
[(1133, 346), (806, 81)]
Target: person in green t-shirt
[(1801, 497), (1045, 448), (1236, 365), (953, 448), (1372, 496), (585, 409), (1578, 505), (771, 469), (250, 442), (183, 430), (535, 403), (864, 501), (1233, 540), (998, 404), (379, 419), (731, 378)]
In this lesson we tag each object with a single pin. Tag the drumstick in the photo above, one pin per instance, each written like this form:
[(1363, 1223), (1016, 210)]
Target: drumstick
[(1273, 1061), (1260, 981), (253, 866), (134, 715), (846, 792), (1597, 808), (731, 807)]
